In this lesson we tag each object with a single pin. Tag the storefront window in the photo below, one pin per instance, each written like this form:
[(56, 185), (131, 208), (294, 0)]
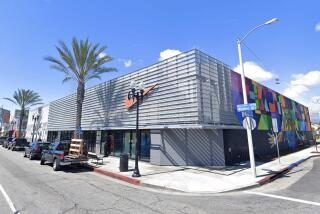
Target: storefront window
[(125, 142), (89, 138), (145, 144), (66, 135), (52, 136)]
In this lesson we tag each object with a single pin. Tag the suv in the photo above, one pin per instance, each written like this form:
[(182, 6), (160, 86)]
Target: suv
[(34, 150), (18, 144)]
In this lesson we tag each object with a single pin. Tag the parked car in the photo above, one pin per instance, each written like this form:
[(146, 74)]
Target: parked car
[(34, 149), (7, 141), (18, 144), (2, 140), (57, 155)]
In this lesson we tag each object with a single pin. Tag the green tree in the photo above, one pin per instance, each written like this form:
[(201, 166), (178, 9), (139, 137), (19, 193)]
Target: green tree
[(24, 99), (83, 62)]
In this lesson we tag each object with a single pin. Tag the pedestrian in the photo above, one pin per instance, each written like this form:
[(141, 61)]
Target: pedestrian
[(107, 146), (106, 149)]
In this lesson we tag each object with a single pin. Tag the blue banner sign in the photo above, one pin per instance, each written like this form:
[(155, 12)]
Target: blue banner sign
[(246, 107)]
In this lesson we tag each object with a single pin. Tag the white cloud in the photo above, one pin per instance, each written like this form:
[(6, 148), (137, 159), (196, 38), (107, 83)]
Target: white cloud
[(314, 108), (168, 53), (295, 92), (317, 27), (301, 88), (311, 78), (255, 72), (101, 55), (127, 63)]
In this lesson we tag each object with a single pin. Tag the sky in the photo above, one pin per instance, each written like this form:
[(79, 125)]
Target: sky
[(139, 33)]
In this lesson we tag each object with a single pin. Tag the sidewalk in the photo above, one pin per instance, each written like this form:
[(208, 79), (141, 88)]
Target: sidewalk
[(203, 179)]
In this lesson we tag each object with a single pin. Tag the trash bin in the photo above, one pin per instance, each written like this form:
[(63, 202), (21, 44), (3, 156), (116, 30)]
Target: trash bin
[(124, 162)]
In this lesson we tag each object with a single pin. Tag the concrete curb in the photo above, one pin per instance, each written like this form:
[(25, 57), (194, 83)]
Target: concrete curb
[(284, 170)]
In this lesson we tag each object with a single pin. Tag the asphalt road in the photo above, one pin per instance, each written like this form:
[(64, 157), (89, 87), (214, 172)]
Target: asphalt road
[(37, 189)]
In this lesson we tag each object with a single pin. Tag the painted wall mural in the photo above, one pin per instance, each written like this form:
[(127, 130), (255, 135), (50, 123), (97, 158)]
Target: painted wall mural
[(293, 118)]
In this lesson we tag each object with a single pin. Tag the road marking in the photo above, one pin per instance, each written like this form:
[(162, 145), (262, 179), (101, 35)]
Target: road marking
[(283, 198), (11, 205)]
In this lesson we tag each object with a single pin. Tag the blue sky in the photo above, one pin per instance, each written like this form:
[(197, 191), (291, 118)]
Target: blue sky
[(136, 32)]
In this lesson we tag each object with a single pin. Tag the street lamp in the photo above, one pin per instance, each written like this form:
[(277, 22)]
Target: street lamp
[(35, 118), (244, 91), (136, 92)]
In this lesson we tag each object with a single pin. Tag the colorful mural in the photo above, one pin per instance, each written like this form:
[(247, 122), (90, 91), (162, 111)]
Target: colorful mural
[(293, 118)]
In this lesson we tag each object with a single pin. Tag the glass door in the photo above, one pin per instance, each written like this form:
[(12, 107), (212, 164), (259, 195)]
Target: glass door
[(133, 147), (118, 142), (127, 142), (145, 144)]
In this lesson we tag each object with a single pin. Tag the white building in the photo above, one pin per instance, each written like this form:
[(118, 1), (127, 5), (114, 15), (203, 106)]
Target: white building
[(38, 123)]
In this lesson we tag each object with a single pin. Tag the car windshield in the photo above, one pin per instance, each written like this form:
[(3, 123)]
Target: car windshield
[(63, 147), (44, 145)]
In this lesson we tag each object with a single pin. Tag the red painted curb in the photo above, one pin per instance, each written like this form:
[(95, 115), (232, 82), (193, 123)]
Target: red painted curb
[(269, 178), (116, 176)]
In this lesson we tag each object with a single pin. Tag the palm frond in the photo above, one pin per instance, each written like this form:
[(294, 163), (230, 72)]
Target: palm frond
[(25, 98), (82, 61), (11, 100)]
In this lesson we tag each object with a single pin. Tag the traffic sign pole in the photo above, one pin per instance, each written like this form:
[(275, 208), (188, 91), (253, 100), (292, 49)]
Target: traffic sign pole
[(251, 153)]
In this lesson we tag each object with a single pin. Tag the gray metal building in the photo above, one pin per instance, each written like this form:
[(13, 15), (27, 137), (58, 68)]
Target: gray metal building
[(182, 121)]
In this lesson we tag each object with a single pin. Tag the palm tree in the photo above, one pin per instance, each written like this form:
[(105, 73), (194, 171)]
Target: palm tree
[(24, 99), (85, 62)]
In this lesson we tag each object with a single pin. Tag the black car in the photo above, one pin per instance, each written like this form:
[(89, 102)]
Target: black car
[(34, 150), (18, 144), (2, 140), (7, 142)]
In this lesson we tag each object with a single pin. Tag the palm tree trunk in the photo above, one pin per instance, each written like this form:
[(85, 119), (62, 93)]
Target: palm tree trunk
[(20, 121), (80, 98)]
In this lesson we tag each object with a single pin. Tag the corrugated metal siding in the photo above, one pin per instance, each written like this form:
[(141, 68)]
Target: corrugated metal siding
[(174, 101), (214, 91), (187, 147)]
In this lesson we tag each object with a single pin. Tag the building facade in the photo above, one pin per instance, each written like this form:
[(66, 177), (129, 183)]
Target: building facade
[(189, 118), (38, 128), (4, 122), (15, 123)]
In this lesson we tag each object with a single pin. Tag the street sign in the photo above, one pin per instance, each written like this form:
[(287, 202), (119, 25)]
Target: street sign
[(275, 125), (246, 107), (249, 123), (247, 114)]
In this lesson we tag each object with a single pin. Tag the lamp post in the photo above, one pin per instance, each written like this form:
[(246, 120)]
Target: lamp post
[(136, 93), (35, 119), (244, 91)]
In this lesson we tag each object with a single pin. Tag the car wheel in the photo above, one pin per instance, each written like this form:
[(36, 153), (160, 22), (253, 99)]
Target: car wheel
[(30, 156), (56, 165), (42, 161), (25, 155), (12, 148)]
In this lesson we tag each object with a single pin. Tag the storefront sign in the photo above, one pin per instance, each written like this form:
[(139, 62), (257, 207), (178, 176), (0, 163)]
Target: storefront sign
[(129, 103)]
